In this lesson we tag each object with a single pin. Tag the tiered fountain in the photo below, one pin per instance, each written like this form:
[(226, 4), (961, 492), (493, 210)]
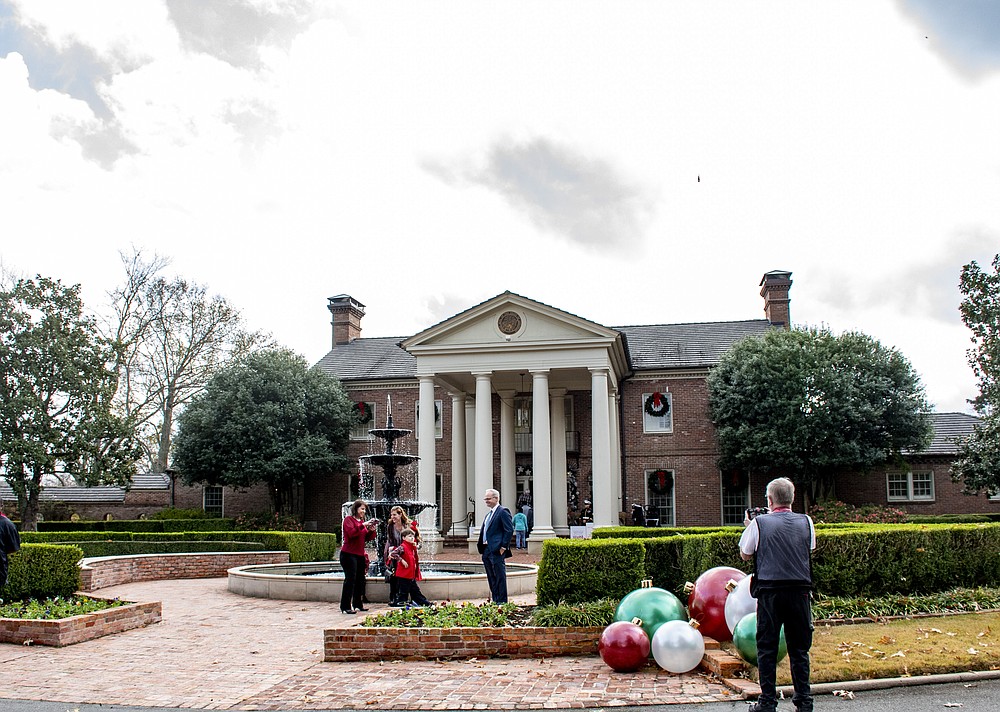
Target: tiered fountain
[(323, 580), (389, 461)]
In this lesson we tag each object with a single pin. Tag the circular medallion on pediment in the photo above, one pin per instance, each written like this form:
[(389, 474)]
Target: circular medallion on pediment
[(509, 322)]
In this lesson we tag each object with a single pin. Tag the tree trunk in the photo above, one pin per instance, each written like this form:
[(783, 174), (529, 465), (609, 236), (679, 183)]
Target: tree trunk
[(166, 429)]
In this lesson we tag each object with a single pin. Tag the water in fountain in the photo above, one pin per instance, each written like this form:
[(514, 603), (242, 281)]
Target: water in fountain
[(389, 462)]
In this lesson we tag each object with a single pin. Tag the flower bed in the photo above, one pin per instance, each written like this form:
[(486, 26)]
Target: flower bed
[(77, 629)]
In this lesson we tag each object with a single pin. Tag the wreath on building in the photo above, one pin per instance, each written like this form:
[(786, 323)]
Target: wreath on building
[(656, 405), (736, 480), (660, 482), (362, 413)]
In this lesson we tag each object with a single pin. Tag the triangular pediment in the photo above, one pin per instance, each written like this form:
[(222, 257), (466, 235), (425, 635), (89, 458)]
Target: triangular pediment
[(509, 319)]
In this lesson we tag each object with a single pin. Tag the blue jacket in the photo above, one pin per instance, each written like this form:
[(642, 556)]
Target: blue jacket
[(498, 533)]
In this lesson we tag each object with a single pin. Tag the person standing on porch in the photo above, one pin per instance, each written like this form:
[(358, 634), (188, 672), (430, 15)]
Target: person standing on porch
[(494, 545)]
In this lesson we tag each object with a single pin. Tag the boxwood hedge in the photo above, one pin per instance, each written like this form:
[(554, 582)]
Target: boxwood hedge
[(42, 571)]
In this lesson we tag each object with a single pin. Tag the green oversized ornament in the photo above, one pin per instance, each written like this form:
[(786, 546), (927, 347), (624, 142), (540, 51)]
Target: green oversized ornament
[(651, 606), (745, 638)]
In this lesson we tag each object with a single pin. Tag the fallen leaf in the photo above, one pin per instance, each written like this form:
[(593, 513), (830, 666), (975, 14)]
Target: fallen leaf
[(952, 704), (886, 640), (972, 651), (29, 641), (898, 654), (846, 694)]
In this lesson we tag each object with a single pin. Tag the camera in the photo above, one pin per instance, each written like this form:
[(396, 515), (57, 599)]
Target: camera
[(756, 512)]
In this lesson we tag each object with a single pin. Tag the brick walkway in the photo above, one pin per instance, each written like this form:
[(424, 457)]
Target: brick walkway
[(216, 650)]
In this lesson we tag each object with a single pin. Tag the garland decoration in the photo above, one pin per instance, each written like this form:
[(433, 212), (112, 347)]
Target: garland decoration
[(660, 482), (657, 405), (362, 413)]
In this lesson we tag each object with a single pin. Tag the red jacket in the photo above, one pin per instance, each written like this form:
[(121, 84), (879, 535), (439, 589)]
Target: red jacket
[(355, 536), (409, 555)]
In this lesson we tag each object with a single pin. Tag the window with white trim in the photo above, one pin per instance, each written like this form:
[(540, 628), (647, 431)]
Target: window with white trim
[(364, 413), (657, 412), (212, 500), (735, 497), (660, 496), (437, 420), (909, 486)]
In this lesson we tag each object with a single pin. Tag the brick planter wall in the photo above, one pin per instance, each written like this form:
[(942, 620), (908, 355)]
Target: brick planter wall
[(357, 644), (101, 572), (79, 628)]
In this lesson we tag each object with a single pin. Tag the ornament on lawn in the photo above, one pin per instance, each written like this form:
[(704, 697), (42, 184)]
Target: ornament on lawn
[(624, 646), (652, 606), (707, 601), (739, 602), (745, 639), (678, 646), (656, 405)]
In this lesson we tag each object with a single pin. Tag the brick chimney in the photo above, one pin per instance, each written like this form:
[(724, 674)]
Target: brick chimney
[(774, 288), (347, 313)]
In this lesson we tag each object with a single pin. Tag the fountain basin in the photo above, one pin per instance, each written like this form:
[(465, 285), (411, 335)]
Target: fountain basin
[(323, 581)]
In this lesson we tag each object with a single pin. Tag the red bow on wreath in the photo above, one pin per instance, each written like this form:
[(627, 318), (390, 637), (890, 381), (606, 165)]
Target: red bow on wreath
[(657, 405)]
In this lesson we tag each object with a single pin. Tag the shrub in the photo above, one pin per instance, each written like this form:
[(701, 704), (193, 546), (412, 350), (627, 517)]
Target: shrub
[(575, 570), (586, 613), (267, 521), (835, 511), (214, 524), (42, 571), (175, 513), (132, 547)]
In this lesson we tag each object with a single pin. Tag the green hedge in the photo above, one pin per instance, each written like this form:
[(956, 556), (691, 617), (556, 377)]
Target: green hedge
[(132, 547), (301, 546), (854, 560), (42, 571), (216, 524), (652, 532), (575, 570)]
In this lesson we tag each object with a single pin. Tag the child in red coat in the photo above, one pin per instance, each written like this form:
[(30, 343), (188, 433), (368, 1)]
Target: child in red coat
[(408, 570)]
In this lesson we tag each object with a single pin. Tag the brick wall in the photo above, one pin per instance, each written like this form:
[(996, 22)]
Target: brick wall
[(77, 629), (98, 573), (357, 644)]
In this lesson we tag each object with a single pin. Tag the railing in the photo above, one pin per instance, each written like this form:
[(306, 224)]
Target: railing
[(522, 442)]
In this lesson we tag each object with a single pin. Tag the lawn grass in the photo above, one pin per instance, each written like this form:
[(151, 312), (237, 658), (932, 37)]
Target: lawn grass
[(901, 648)]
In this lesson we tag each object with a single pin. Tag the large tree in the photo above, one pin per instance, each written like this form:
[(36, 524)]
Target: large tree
[(267, 418), (978, 463), (57, 382), (172, 335), (809, 404)]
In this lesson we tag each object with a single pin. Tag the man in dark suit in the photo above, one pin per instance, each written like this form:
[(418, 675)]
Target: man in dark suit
[(494, 544)]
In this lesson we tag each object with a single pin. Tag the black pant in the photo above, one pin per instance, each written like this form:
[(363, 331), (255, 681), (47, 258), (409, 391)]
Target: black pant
[(408, 588), (354, 581), (788, 607)]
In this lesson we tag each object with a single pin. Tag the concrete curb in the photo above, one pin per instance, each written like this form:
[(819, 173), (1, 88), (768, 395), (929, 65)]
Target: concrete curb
[(889, 682)]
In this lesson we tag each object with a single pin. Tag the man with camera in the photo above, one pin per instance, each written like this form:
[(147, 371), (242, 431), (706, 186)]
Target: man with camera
[(779, 542)]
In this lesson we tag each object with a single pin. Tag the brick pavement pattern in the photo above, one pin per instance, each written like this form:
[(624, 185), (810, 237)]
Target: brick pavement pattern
[(216, 650)]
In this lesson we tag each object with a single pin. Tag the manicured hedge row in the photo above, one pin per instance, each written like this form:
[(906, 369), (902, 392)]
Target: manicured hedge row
[(216, 524), (301, 546), (855, 560), (652, 532), (129, 548), (42, 571)]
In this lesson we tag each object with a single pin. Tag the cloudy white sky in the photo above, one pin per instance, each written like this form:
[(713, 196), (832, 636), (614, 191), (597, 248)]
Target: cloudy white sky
[(630, 162)]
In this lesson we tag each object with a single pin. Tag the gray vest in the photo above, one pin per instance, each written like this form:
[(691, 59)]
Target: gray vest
[(782, 557)]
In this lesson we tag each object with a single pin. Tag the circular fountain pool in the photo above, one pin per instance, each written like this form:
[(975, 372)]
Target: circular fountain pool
[(323, 581)]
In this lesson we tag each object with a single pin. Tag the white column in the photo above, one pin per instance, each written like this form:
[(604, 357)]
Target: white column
[(560, 516), (541, 461), (508, 478), (484, 448), (459, 485), (427, 467), (604, 493), (470, 459), (616, 451)]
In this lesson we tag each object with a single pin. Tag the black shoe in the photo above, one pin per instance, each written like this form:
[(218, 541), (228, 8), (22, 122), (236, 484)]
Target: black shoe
[(351, 612), (396, 604), (758, 707), (360, 609)]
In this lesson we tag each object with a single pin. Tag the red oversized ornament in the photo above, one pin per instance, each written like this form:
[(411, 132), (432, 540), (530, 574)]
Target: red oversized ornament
[(707, 601), (624, 646)]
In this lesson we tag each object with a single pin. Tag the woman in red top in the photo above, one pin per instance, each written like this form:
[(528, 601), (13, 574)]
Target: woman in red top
[(356, 531), (408, 570)]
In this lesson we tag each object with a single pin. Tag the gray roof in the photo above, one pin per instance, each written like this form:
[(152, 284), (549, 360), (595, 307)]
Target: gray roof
[(949, 429), (369, 359), (80, 495), (150, 481), (649, 347), (661, 346)]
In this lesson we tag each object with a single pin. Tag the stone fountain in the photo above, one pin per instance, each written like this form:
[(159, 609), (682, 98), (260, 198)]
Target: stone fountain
[(389, 462)]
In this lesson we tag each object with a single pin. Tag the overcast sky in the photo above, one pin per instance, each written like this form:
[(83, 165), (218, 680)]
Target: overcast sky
[(629, 162)]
